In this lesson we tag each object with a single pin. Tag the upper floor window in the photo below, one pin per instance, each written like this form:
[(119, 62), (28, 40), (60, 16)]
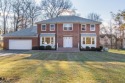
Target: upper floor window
[(43, 27), (67, 27), (83, 27), (92, 27), (52, 27)]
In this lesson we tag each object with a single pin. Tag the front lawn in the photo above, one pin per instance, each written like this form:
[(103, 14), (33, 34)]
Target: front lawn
[(82, 67)]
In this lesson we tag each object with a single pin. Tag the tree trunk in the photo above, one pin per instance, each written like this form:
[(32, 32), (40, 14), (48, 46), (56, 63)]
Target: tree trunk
[(32, 21), (4, 26)]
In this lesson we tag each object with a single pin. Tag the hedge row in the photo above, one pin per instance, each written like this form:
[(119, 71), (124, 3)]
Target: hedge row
[(92, 48), (43, 48)]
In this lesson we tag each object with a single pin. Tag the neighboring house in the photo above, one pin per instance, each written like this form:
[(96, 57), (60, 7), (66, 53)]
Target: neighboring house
[(1, 33), (60, 32), (124, 43), (107, 40)]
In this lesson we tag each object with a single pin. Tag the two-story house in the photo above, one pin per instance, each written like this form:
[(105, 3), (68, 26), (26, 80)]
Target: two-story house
[(59, 32)]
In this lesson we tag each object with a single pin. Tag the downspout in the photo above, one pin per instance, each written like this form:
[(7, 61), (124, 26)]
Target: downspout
[(79, 43), (57, 37)]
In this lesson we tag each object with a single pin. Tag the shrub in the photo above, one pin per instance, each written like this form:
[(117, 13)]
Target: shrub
[(35, 48), (42, 48), (93, 49), (48, 48), (82, 49), (98, 49), (101, 47), (87, 48)]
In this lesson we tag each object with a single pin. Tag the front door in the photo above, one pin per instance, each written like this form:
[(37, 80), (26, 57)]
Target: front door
[(67, 42)]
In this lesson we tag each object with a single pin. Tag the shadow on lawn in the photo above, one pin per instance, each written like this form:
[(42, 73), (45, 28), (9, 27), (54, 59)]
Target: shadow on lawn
[(80, 56)]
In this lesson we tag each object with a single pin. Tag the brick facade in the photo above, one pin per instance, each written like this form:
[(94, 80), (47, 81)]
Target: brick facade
[(6, 40), (75, 33)]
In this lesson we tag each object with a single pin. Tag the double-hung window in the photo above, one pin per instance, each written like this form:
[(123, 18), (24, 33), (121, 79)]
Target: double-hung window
[(83, 27), (92, 27), (68, 27), (43, 27), (52, 27)]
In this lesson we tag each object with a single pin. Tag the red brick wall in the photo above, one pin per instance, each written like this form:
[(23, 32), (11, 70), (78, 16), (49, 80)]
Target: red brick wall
[(47, 29), (75, 33), (6, 41), (97, 29)]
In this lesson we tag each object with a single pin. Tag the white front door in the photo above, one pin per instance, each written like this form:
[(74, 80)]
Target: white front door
[(67, 42)]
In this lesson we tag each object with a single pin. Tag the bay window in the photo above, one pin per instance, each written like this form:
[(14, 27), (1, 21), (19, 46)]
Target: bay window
[(88, 40), (47, 40)]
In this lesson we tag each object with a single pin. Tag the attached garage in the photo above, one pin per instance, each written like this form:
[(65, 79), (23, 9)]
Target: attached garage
[(24, 39), (20, 44)]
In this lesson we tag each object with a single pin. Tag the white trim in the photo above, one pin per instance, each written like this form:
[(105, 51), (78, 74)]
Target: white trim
[(90, 45), (67, 23), (47, 33), (50, 27), (20, 44), (85, 27), (41, 27), (91, 27)]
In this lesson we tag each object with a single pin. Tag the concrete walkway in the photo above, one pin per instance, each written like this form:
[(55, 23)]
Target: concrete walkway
[(10, 52)]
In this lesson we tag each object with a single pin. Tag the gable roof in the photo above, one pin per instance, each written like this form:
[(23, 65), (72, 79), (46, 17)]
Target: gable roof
[(28, 32), (66, 19)]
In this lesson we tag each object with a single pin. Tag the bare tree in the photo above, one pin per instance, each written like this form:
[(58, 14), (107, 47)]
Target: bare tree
[(17, 4), (34, 11), (53, 8), (118, 18), (5, 6), (94, 16)]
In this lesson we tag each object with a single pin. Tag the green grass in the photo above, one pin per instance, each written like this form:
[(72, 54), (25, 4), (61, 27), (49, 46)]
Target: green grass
[(82, 67)]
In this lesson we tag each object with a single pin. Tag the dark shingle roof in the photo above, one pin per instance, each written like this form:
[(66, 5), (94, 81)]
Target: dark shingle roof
[(31, 31), (72, 19)]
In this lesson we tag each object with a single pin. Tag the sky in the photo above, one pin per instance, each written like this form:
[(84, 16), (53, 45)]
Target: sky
[(101, 7)]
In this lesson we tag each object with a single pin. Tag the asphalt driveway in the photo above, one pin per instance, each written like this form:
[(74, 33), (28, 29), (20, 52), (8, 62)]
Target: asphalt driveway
[(10, 52)]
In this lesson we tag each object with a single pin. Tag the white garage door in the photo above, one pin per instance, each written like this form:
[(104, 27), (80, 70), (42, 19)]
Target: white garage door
[(20, 44)]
